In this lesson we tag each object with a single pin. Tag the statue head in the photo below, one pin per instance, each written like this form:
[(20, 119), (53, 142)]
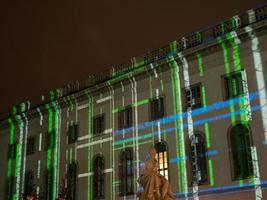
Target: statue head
[(152, 152)]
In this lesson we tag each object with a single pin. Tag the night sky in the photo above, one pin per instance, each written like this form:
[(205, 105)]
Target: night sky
[(45, 45)]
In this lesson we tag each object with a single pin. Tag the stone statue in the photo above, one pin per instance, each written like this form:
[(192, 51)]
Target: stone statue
[(155, 186)]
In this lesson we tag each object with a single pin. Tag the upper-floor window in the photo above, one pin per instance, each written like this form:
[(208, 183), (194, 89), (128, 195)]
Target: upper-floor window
[(72, 133), (162, 158), (240, 141), (12, 149), (193, 97), (50, 140), (126, 172), (30, 145), (29, 185), (157, 108), (48, 189), (125, 118), (98, 178), (99, 124), (10, 182), (233, 85), (72, 180), (198, 158)]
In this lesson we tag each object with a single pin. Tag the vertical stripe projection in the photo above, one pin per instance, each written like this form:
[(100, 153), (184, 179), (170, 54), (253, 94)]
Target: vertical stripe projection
[(258, 67), (9, 162), (112, 161), (189, 112), (179, 135), (90, 148), (19, 158), (135, 143), (206, 124)]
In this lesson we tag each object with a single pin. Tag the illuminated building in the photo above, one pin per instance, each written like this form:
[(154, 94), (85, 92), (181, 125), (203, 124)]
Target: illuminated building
[(200, 100)]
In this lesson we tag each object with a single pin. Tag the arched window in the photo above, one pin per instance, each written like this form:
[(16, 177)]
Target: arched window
[(198, 158), (98, 179), (162, 157), (72, 175), (28, 187), (126, 172), (241, 143)]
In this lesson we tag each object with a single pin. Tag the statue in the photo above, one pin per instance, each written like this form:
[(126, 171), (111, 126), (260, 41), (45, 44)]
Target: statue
[(156, 186)]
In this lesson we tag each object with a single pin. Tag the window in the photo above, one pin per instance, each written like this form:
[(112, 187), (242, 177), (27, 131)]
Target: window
[(99, 124), (125, 118), (198, 158), (72, 133), (50, 140), (241, 151), (30, 145), (126, 172), (98, 179), (193, 97), (162, 157), (49, 183), (233, 85), (9, 187), (157, 108), (12, 148), (28, 188), (72, 174)]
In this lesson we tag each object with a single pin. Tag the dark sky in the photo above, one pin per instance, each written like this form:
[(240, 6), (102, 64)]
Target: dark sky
[(45, 45)]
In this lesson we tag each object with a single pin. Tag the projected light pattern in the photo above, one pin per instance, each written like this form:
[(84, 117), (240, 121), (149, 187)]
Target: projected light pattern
[(169, 74)]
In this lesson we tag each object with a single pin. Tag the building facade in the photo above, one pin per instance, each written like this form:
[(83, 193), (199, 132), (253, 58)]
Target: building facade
[(201, 101)]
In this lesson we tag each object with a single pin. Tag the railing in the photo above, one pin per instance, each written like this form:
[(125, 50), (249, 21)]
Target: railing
[(187, 42)]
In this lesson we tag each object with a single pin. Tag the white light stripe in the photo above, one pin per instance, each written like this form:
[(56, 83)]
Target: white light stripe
[(86, 136), (41, 116), (83, 138), (246, 95), (189, 112), (94, 143), (40, 142), (39, 169), (82, 106), (20, 161), (103, 99), (258, 67), (92, 173)]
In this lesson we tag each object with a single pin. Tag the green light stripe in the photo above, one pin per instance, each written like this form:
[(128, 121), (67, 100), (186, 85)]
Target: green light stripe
[(180, 146), (211, 172)]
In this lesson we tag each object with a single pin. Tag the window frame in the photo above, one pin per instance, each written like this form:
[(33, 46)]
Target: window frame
[(167, 159), (191, 167), (124, 169), (72, 179), (121, 116), (152, 116), (72, 139), (185, 100), (226, 93), (95, 118), (232, 164), (101, 179), (31, 149)]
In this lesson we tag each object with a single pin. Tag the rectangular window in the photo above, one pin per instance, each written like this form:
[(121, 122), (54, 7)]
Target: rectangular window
[(9, 187), (30, 145), (99, 124), (12, 148), (50, 140), (72, 133), (193, 97), (125, 118), (233, 85), (157, 108)]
